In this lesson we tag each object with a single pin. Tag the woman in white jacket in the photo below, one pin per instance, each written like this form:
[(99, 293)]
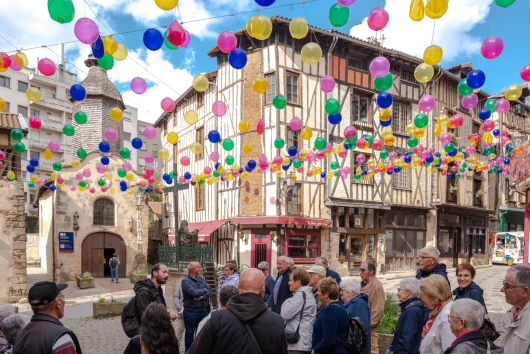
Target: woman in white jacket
[(293, 307), (435, 294)]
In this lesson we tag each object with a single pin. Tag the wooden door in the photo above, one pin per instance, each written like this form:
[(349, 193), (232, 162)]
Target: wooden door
[(97, 262), (92, 253), (356, 252), (457, 243), (116, 242), (260, 249)]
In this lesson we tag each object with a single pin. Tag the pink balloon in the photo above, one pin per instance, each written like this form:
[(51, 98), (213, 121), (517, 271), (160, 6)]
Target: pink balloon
[(46, 67), (2, 155), (262, 159), (219, 108), (278, 160), (150, 171), (60, 180), (182, 179), (149, 158), (92, 190), (343, 153), (457, 120), (329, 147), (295, 124), (151, 180), (427, 103), (185, 160), (346, 2), (377, 144), (505, 133), (35, 123), (138, 85), (214, 156), (379, 67), (488, 126), (104, 189), (86, 30), (39, 183), (502, 106), (378, 19), (186, 40), (525, 73), (392, 156), (470, 101), (327, 83), (208, 170), (167, 104), (13, 65), (312, 157), (150, 132), (101, 168), (126, 166), (142, 184), (79, 176), (176, 34), (87, 173), (350, 132), (110, 134), (227, 41), (492, 47), (54, 146), (360, 158), (73, 187)]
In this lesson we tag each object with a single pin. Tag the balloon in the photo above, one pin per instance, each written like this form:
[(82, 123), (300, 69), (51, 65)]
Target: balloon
[(502, 106), (279, 101), (417, 10), (307, 133), (185, 161), (525, 73), (163, 153), (227, 41), (125, 153), (244, 125), (126, 166), (107, 62), (424, 73), (172, 138), (150, 132), (16, 134), (214, 136), (237, 58), (35, 123), (47, 154), (259, 27), (260, 85), (98, 48), (138, 85), (488, 126), (77, 92), (187, 40), (109, 44), (228, 144), (513, 92), (54, 146), (265, 2), (384, 83), (484, 114), (176, 34), (504, 3), (384, 100), (219, 108), (81, 153), (86, 30), (311, 53), (421, 120), (327, 83), (378, 19), (379, 67), (476, 79), (464, 89), (166, 5), (68, 130), (427, 103), (3, 103), (338, 16), (435, 9), (110, 134), (298, 27), (350, 132), (279, 143), (116, 114), (103, 146), (292, 151), (153, 39), (200, 83), (492, 47), (61, 11), (121, 53), (433, 55), (335, 118), (105, 160), (33, 94), (137, 143), (332, 106), (295, 124), (191, 117), (470, 101), (46, 67)]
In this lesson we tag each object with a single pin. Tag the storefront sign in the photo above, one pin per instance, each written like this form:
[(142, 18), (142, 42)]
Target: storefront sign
[(66, 242)]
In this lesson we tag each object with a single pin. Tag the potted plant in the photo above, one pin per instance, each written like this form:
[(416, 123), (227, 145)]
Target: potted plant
[(388, 324), (86, 281), (137, 275), (452, 189), (104, 308)]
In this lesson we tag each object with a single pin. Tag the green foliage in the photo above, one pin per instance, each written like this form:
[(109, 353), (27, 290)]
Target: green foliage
[(87, 275), (103, 300), (390, 317)]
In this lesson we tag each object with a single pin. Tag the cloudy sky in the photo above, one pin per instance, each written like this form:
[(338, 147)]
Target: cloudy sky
[(460, 33)]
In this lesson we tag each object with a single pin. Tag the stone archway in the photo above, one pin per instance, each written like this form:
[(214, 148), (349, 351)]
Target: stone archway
[(94, 258)]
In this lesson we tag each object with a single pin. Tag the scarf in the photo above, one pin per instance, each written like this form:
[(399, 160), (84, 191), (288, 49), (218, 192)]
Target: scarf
[(432, 316)]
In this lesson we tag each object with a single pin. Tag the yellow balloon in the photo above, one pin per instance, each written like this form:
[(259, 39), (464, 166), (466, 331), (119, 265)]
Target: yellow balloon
[(389, 141), (108, 176), (167, 4), (76, 163), (487, 138), (244, 125), (129, 176), (336, 149), (435, 9), (35, 178), (3, 104), (235, 167), (163, 153), (196, 148), (387, 132), (259, 27), (221, 169), (191, 117), (409, 129), (200, 83), (311, 53), (443, 120), (130, 191), (172, 138), (385, 114), (370, 162), (53, 176), (11, 175), (433, 55), (513, 92), (417, 10), (47, 154), (247, 149), (437, 130), (33, 94), (418, 133), (298, 27), (116, 114), (424, 73), (303, 154), (260, 85), (120, 53), (307, 133), (20, 59), (110, 45)]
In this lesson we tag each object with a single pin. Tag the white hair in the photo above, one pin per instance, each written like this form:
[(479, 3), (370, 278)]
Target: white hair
[(286, 259), (12, 325), (6, 311), (351, 285), (431, 251), (470, 311), (322, 261), (263, 265), (411, 284)]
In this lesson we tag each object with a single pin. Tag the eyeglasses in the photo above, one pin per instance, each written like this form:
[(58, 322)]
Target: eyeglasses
[(451, 317), (507, 286), (262, 269), (362, 270), (423, 257)]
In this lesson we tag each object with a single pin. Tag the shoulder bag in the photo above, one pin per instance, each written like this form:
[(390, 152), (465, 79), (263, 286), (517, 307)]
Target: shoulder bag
[(294, 337)]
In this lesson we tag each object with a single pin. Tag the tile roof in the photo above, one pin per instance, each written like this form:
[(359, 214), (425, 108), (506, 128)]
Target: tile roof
[(11, 121), (156, 207)]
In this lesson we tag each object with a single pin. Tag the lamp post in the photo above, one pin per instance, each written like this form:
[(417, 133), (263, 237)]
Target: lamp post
[(140, 206)]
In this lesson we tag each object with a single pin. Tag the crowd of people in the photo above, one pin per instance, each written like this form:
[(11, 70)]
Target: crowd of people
[(300, 311)]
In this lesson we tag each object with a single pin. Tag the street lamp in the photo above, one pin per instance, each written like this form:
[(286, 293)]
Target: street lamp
[(140, 206)]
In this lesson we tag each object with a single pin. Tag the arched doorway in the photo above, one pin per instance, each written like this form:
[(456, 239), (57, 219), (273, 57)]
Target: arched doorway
[(97, 249)]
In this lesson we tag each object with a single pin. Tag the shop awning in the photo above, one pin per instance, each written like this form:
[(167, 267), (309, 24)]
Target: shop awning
[(205, 228), (282, 220)]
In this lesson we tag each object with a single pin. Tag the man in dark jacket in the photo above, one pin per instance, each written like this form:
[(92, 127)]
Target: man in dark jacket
[(46, 334), (323, 261), (429, 264), (247, 316), (281, 290), (196, 301), (269, 281)]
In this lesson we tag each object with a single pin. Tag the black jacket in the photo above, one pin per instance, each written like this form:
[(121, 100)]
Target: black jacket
[(284, 292), (146, 293), (192, 288), (225, 332), (472, 291), (134, 346), (472, 342), (39, 336), (439, 269)]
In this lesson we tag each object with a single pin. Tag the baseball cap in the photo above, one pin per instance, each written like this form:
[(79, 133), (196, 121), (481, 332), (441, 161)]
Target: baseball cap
[(317, 269), (44, 292)]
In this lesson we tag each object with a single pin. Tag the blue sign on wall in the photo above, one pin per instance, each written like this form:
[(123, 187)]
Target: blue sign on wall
[(66, 242)]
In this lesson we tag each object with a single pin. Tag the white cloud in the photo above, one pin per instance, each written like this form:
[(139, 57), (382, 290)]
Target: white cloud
[(452, 30)]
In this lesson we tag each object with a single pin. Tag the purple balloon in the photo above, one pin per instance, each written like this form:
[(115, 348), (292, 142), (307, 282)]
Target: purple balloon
[(379, 67), (86, 30), (346, 2), (186, 40), (427, 103), (101, 168), (150, 132), (110, 134), (219, 108), (327, 83), (126, 166), (470, 101), (138, 85), (502, 106), (87, 173), (54, 146)]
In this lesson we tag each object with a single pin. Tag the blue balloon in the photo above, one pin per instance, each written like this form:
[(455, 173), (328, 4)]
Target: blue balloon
[(387, 123), (346, 145), (123, 184), (34, 162), (248, 169), (30, 168), (484, 114), (98, 50), (153, 39), (105, 160), (252, 164), (194, 183), (187, 175), (384, 100), (453, 153), (292, 151), (237, 58), (104, 146), (429, 158), (323, 174), (449, 175), (123, 188), (335, 118), (406, 159), (77, 92), (476, 79), (148, 190), (507, 161), (217, 164), (285, 168), (265, 2), (165, 177), (241, 170), (214, 136), (52, 187), (397, 169), (499, 171), (169, 181), (137, 143), (496, 132)]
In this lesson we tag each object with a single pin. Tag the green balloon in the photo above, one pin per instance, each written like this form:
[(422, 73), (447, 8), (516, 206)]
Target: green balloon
[(19, 147), (464, 89), (125, 153), (228, 144), (279, 143), (279, 101), (334, 165), (16, 134), (332, 106), (449, 147), (82, 183), (171, 175), (80, 117), (179, 183), (384, 83), (339, 15), (216, 174), (101, 182), (122, 173), (297, 163), (57, 166), (61, 11), (412, 142), (202, 181), (421, 120), (357, 177), (140, 189), (68, 130), (229, 160), (369, 139), (320, 143), (107, 62), (81, 153), (384, 154), (457, 175), (168, 43), (490, 105), (31, 185), (504, 3)]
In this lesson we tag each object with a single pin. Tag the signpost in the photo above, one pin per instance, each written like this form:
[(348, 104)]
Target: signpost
[(176, 187), (66, 242)]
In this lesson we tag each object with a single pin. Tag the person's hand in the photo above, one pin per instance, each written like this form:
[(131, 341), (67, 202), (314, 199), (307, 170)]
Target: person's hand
[(173, 316), (198, 298)]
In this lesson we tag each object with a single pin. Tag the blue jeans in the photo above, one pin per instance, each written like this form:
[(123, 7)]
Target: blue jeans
[(191, 322), (114, 273)]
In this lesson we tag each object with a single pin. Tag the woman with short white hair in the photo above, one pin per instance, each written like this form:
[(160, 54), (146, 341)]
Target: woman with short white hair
[(356, 305), (465, 319), (11, 326)]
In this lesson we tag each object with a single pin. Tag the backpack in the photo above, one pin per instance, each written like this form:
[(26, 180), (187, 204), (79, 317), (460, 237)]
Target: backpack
[(113, 262), (357, 336), (128, 319)]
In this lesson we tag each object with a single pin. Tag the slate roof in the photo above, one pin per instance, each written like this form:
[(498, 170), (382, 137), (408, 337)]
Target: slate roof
[(97, 83)]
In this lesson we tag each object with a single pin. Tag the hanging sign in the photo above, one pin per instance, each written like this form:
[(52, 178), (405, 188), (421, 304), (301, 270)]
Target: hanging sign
[(66, 242)]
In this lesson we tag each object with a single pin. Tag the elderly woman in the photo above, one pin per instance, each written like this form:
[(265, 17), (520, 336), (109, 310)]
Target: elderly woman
[(467, 288), (331, 328), (356, 305), (465, 320), (5, 311), (11, 326), (435, 294), (299, 311), (232, 277), (407, 336)]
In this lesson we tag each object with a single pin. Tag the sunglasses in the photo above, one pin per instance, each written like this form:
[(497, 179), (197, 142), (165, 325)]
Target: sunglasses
[(262, 269)]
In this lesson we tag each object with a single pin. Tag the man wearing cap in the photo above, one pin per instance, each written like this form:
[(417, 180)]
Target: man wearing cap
[(46, 334), (316, 273)]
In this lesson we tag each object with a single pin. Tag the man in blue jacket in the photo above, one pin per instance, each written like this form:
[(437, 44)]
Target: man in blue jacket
[(196, 301), (281, 290), (429, 265)]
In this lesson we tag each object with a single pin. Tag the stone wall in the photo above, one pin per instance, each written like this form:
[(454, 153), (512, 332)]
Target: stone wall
[(13, 275)]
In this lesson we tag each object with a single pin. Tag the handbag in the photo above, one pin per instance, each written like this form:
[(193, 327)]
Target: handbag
[(293, 337), (489, 330)]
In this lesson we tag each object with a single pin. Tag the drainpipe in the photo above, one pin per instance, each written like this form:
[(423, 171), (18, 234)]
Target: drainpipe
[(502, 220), (53, 238)]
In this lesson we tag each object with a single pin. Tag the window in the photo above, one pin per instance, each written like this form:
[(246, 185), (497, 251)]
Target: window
[(478, 193), (400, 117), (155, 150), (126, 136), (452, 188), (144, 145), (22, 110), (294, 199), (155, 163), (444, 241), (141, 130), (200, 99), (7, 107), (104, 212), (401, 179), (271, 89), (303, 247), (360, 108), (356, 63), (408, 76), (22, 86), (200, 197), (475, 241), (293, 139), (200, 139), (34, 155), (293, 87), (141, 161), (476, 131), (5, 81), (32, 224), (34, 113)]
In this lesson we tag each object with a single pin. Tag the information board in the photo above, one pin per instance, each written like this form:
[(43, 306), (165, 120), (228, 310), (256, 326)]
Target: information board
[(66, 242)]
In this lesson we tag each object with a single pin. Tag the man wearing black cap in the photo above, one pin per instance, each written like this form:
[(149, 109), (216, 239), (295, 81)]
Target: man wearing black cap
[(45, 334)]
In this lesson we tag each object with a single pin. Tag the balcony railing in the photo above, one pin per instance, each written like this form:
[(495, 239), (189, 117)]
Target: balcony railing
[(180, 256)]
